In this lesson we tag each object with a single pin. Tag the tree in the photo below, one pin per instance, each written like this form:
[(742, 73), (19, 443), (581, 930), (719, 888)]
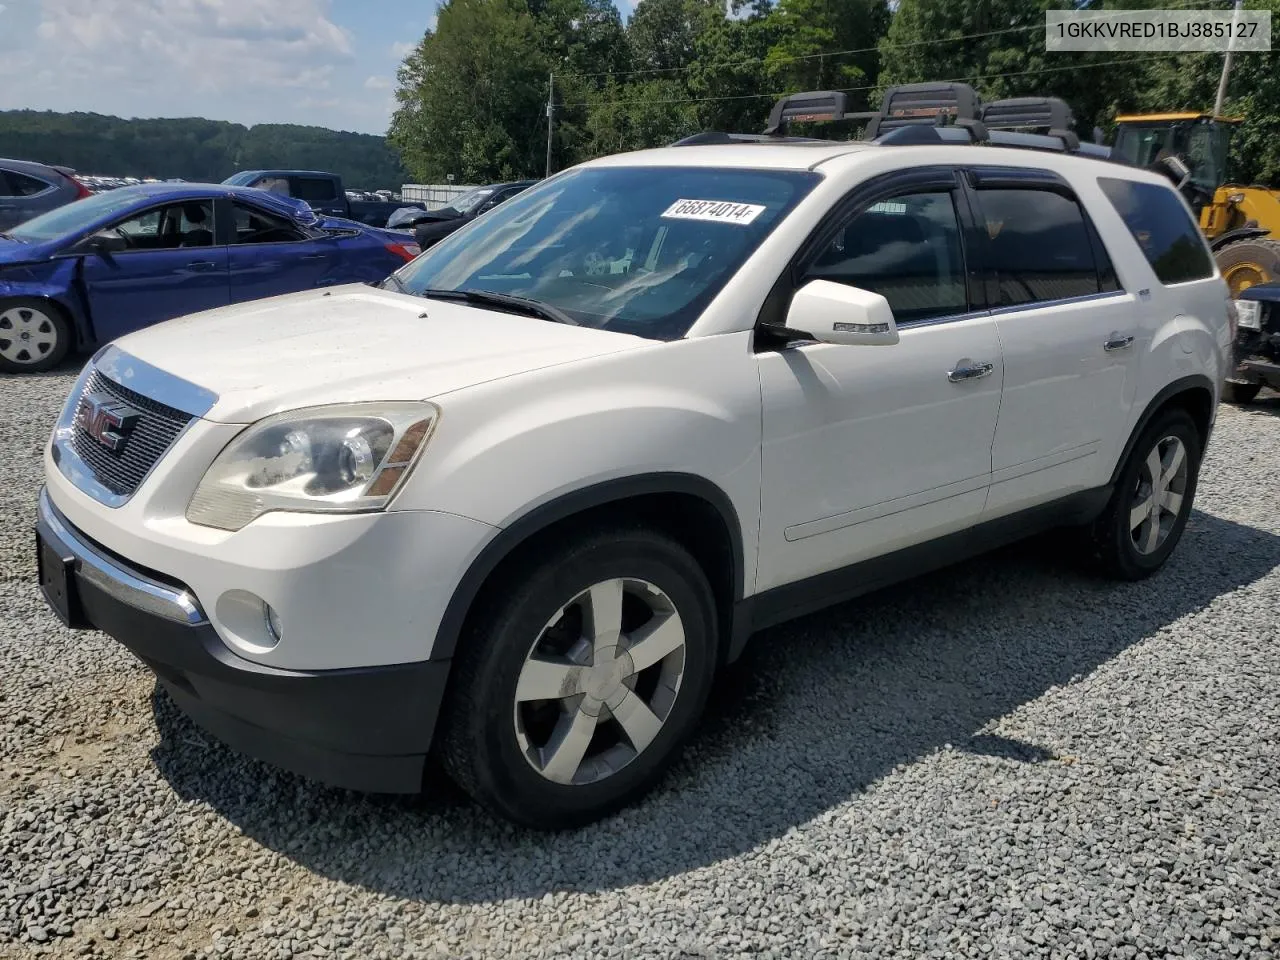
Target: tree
[(808, 30)]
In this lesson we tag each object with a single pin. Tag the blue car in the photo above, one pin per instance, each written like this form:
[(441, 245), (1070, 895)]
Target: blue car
[(96, 269)]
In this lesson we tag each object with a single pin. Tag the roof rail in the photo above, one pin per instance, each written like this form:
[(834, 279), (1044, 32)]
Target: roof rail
[(1041, 114), (928, 104)]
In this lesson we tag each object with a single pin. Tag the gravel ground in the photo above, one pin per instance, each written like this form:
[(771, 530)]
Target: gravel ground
[(1006, 759)]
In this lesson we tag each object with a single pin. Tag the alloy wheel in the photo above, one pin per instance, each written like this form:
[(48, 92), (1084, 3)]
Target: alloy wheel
[(600, 681), (1157, 499)]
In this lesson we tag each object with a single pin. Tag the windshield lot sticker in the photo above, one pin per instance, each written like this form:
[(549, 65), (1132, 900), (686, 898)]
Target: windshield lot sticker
[(716, 211)]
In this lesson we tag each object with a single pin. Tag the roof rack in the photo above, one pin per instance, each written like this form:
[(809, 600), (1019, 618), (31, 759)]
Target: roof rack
[(924, 113), (1048, 114)]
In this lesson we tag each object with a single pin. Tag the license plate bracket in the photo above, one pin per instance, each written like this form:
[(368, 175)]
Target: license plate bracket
[(57, 571)]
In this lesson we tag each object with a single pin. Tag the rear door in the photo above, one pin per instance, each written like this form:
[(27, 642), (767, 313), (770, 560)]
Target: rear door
[(268, 255), (158, 264), (1068, 332)]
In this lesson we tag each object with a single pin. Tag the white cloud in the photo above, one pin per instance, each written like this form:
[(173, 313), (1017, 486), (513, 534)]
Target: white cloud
[(401, 50), (377, 83), (151, 49)]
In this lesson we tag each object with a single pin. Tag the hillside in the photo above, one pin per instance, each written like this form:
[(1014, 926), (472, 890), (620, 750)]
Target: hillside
[(193, 148)]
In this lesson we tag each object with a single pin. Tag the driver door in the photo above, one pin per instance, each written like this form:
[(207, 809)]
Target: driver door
[(872, 449), (155, 265)]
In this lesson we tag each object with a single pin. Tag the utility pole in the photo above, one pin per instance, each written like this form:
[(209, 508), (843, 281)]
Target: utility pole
[(1226, 62), (551, 111)]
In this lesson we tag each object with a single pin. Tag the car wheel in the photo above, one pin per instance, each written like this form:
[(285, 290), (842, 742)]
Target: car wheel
[(1149, 508), (1240, 392), (34, 336), (583, 678)]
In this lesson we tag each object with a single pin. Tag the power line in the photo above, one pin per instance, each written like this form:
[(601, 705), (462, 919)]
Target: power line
[(1166, 5), (874, 86)]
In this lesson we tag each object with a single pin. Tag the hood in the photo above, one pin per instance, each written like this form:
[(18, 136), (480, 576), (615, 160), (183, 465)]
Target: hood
[(15, 251), (354, 343)]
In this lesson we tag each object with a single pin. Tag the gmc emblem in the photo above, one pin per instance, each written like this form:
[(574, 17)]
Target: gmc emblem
[(107, 420)]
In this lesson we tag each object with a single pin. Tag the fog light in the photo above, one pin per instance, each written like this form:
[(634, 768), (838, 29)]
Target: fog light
[(274, 630)]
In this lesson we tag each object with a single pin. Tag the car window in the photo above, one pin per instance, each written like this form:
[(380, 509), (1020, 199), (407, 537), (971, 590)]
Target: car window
[(258, 226), (1037, 246), (314, 189), (907, 249), (14, 184), (634, 249), (177, 225), (1158, 221)]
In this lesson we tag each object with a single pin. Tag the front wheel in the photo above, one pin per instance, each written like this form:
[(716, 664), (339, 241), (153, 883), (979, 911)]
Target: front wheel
[(34, 335), (583, 678), (1149, 508)]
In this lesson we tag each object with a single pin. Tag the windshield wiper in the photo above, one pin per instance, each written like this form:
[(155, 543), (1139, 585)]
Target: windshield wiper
[(534, 308)]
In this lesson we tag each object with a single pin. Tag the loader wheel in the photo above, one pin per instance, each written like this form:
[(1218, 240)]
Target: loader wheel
[(1247, 263)]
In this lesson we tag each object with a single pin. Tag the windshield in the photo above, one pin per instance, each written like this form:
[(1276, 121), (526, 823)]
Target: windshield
[(242, 179), (464, 202), (638, 250), (73, 217)]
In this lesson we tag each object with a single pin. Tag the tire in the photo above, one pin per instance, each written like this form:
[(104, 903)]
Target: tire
[(1247, 263), (1240, 392), (498, 740), (1129, 550), (34, 335)]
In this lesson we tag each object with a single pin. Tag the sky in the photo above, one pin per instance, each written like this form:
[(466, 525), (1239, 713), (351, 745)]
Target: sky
[(331, 63)]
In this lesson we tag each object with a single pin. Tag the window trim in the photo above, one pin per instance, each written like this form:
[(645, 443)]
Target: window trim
[(926, 179), (980, 178)]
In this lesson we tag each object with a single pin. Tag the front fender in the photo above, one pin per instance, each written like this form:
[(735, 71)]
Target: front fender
[(506, 448), (53, 280)]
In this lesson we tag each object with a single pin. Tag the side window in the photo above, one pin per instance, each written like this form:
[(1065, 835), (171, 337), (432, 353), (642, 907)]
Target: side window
[(278, 185), (314, 189), (14, 184), (907, 249), (1169, 238), (1038, 246), (166, 228), (258, 226)]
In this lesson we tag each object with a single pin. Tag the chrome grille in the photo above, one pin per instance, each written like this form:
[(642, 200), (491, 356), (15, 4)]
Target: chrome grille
[(157, 427)]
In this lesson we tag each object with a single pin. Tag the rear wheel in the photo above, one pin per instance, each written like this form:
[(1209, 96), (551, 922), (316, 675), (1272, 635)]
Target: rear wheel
[(1240, 392), (582, 680), (34, 335), (1248, 263), (1148, 510)]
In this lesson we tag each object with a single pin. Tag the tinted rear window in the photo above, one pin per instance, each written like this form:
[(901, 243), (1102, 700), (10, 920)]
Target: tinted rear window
[(314, 189), (1169, 238), (1037, 245)]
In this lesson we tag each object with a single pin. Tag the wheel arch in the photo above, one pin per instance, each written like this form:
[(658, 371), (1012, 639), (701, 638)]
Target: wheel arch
[(1195, 394), (689, 508), (1231, 236)]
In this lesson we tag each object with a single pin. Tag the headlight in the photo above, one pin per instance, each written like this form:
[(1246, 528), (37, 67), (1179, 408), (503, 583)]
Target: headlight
[(1249, 314), (349, 458)]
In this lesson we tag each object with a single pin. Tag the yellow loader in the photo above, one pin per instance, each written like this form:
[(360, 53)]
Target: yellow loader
[(1241, 223)]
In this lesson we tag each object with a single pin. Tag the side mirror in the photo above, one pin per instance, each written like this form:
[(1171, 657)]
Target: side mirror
[(102, 244), (834, 313)]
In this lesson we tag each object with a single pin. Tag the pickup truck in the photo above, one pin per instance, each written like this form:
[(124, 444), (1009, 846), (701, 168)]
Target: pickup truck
[(323, 191)]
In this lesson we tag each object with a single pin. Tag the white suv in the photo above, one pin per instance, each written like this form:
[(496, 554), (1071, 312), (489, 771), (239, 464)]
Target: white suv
[(523, 500)]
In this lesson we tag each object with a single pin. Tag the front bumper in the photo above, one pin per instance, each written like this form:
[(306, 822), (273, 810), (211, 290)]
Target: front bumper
[(365, 729)]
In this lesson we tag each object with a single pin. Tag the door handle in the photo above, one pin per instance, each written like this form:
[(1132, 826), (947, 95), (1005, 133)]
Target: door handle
[(968, 370), (1117, 342), (314, 256), (201, 265)]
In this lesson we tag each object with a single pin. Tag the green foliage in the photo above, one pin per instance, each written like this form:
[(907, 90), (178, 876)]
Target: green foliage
[(192, 148)]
